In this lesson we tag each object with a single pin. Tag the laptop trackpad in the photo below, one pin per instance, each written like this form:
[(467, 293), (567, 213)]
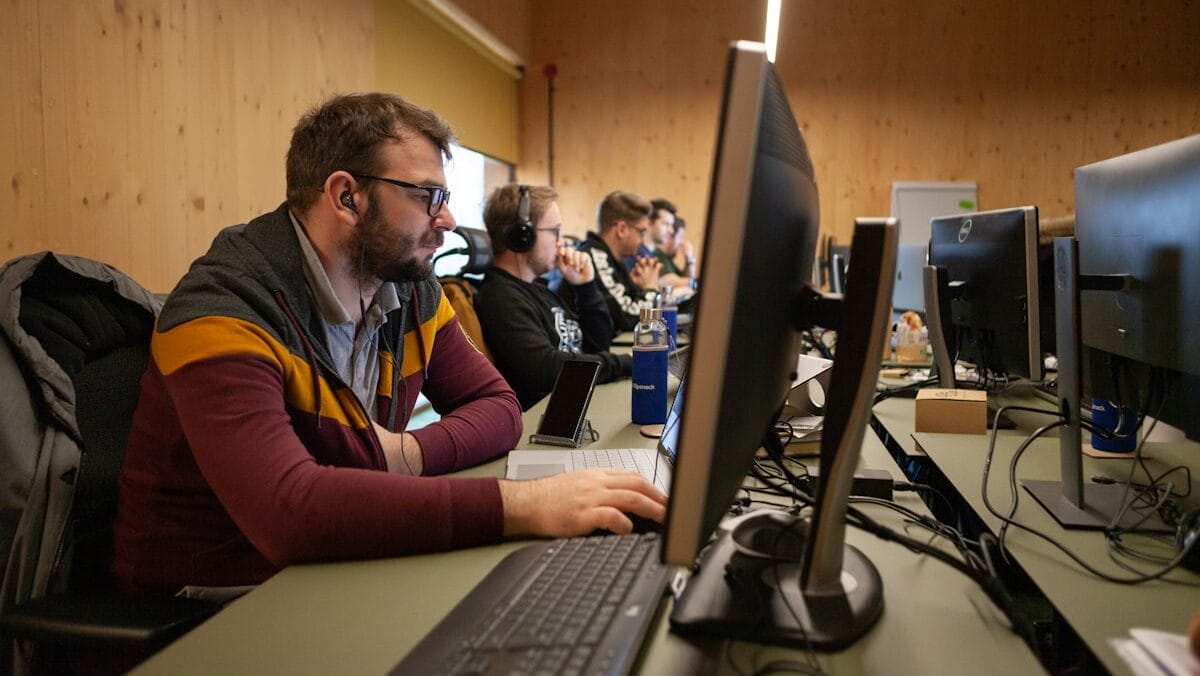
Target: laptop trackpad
[(528, 470)]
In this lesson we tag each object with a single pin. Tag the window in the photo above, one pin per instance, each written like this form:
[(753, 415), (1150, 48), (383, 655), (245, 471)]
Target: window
[(471, 177)]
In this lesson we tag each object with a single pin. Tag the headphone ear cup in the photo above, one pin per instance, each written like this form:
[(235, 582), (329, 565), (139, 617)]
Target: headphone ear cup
[(520, 237)]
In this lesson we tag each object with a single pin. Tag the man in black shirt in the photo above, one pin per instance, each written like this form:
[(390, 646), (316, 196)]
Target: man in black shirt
[(622, 220), (529, 330)]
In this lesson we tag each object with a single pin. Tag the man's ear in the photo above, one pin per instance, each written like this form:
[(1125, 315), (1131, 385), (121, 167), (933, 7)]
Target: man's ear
[(339, 194)]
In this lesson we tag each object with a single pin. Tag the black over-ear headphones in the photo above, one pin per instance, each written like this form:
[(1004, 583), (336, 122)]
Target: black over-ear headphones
[(348, 200), (520, 237)]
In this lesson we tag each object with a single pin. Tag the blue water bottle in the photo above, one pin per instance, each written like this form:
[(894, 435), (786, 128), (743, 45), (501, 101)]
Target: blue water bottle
[(1120, 424), (670, 313), (650, 369)]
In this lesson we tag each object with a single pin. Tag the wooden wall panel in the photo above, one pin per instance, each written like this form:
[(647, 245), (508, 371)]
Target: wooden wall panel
[(1013, 95), (139, 128), (133, 130), (635, 102)]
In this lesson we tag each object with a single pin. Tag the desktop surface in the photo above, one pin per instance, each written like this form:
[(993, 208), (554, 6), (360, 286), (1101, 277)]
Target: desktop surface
[(1085, 602), (362, 617), (1096, 610)]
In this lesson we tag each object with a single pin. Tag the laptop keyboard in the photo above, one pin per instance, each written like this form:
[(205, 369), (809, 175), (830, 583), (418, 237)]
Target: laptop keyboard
[(619, 458), (573, 606)]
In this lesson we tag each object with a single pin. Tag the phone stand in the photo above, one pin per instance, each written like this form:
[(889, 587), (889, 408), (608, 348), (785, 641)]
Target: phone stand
[(586, 435)]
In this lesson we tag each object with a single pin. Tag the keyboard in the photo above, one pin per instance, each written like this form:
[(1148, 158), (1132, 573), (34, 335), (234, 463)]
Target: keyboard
[(571, 606), (637, 460)]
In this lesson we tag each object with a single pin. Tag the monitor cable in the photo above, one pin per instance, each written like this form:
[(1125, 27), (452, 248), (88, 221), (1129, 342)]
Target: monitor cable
[(991, 586), (1009, 520)]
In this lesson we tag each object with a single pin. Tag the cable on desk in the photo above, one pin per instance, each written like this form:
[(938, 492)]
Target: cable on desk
[(903, 486), (772, 667), (990, 584), (935, 527), (901, 389), (1008, 519)]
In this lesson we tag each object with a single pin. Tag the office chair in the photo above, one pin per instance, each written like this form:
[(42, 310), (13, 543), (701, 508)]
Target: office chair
[(460, 287), (74, 343)]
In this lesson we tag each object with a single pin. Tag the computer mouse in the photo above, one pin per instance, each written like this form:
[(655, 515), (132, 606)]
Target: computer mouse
[(643, 525), (640, 525)]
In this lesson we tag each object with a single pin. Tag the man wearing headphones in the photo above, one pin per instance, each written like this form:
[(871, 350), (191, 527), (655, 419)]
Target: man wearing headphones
[(272, 427), (527, 327)]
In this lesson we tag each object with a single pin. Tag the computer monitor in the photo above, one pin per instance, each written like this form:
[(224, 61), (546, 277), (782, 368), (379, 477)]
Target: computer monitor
[(1139, 215), (761, 233), (995, 297), (1128, 289)]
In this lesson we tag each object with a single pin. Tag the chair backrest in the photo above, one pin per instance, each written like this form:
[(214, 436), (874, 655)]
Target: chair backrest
[(478, 247), (100, 340), (460, 289), (461, 294), (107, 389)]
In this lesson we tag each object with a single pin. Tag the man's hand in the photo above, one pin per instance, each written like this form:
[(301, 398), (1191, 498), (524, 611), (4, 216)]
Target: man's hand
[(577, 503), (645, 273), (678, 287), (689, 259), (575, 265), (689, 252), (401, 450)]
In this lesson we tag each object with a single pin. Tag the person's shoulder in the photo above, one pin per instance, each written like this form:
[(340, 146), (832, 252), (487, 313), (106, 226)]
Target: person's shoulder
[(235, 277), (496, 281)]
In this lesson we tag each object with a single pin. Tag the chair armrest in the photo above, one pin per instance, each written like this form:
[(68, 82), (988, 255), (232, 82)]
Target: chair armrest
[(105, 619)]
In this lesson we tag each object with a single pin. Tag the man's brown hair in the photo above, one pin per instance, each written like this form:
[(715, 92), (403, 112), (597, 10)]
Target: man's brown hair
[(621, 206), (345, 133)]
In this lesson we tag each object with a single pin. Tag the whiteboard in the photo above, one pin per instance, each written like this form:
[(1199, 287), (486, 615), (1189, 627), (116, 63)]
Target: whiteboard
[(915, 203)]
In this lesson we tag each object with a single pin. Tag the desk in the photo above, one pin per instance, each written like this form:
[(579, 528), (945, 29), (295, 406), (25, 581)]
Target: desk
[(1096, 610), (362, 617)]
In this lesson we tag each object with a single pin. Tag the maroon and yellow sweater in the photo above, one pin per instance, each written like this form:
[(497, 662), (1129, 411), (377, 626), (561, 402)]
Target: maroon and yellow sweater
[(248, 453)]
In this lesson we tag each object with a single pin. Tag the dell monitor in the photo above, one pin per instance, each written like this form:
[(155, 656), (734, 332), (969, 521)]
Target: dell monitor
[(993, 290), (1127, 289), (760, 240), (1138, 216)]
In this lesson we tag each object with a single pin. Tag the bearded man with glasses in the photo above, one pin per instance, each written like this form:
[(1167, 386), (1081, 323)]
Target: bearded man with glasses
[(273, 423)]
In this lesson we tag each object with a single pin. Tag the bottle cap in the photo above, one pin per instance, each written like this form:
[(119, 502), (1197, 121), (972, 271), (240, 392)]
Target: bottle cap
[(651, 313)]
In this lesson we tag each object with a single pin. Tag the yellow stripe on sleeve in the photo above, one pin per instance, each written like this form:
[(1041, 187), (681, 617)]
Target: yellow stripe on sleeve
[(220, 337)]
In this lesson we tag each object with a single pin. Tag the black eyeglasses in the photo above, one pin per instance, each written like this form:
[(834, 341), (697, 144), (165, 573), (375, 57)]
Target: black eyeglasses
[(556, 231), (438, 195)]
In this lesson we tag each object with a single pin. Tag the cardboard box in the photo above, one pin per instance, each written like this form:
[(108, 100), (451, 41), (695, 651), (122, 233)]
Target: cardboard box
[(952, 411)]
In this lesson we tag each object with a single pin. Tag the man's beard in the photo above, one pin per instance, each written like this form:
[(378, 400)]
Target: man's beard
[(378, 253)]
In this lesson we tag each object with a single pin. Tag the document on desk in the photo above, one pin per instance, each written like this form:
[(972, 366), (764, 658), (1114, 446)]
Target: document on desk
[(1150, 652)]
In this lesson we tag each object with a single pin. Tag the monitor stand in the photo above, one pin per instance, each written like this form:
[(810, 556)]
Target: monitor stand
[(748, 587), (1071, 501)]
